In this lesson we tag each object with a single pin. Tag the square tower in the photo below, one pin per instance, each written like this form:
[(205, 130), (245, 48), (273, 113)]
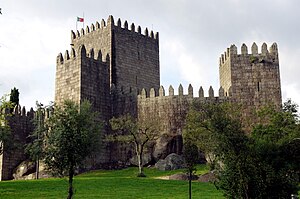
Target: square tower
[(252, 79)]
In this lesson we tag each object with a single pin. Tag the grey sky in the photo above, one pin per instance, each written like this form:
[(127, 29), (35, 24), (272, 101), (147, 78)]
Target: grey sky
[(193, 34)]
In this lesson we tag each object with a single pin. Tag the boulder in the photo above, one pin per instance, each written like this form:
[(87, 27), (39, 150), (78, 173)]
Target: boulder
[(182, 176), (207, 177), (146, 159), (171, 162), (25, 170)]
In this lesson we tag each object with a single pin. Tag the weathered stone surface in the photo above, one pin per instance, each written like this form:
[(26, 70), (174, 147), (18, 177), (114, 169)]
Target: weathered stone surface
[(171, 162), (24, 170), (146, 159), (182, 176)]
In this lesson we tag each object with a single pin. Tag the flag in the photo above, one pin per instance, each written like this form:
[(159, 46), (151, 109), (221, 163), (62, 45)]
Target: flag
[(80, 19)]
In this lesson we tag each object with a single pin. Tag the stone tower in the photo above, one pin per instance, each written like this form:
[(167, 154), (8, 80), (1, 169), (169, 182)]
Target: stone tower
[(251, 79), (107, 61)]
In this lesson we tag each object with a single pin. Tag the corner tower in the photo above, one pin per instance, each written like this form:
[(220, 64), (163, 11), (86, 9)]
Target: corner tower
[(251, 79)]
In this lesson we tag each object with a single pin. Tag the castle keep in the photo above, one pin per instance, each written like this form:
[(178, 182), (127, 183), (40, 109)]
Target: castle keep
[(116, 67)]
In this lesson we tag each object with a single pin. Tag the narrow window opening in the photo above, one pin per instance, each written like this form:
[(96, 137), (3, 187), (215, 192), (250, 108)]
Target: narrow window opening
[(258, 86), (136, 80)]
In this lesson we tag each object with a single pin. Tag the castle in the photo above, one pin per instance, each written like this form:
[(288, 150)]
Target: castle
[(116, 68)]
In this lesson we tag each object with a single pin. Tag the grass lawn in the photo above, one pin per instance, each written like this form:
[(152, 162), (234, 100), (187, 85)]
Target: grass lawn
[(110, 184)]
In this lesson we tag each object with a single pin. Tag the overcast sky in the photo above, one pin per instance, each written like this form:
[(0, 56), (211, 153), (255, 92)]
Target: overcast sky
[(193, 34)]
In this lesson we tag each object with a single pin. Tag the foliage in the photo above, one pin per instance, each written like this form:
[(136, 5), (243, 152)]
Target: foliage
[(72, 135), (122, 184), (5, 131), (14, 96), (140, 133), (191, 157), (35, 146), (263, 165)]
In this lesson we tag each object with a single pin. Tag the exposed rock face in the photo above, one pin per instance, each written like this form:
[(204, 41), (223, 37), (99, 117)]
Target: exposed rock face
[(146, 159), (171, 162), (25, 170)]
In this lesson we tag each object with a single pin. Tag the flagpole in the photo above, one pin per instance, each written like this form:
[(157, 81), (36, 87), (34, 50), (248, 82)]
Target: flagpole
[(83, 20), (76, 23)]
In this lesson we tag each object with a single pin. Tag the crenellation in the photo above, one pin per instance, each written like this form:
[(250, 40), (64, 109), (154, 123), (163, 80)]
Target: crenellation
[(82, 32), (119, 23), (244, 49), (152, 34), (139, 30), (156, 36), (201, 92), (161, 91), (254, 49), (152, 92), (221, 92), (146, 32), (66, 56), (91, 53), (143, 94), (73, 36), (180, 90), (103, 25), (274, 49), (92, 27), (264, 49), (77, 34), (171, 90), (211, 92), (190, 90), (132, 27), (87, 29), (110, 20), (73, 54), (125, 25), (97, 25), (59, 59)]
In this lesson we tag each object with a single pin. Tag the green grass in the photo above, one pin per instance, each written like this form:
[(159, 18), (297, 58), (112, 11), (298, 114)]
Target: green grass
[(110, 184)]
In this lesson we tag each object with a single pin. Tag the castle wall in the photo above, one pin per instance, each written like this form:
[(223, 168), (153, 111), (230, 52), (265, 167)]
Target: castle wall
[(21, 126), (171, 111)]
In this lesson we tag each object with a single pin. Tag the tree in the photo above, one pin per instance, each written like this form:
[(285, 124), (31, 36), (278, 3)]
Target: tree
[(35, 147), (264, 164), (73, 134), (140, 133), (191, 156), (5, 131), (14, 96)]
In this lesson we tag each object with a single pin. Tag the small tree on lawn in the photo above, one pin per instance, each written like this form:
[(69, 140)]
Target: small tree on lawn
[(131, 130), (73, 134), (191, 156)]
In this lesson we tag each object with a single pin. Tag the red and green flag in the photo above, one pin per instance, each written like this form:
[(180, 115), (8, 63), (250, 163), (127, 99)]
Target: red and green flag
[(80, 19)]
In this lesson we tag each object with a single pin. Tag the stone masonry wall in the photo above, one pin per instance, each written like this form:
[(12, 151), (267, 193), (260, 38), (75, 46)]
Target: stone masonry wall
[(171, 113), (21, 125)]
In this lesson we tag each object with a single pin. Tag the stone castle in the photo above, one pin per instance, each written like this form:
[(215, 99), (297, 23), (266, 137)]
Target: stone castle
[(116, 68)]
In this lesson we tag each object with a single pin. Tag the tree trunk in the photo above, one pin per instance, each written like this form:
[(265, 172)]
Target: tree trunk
[(71, 174), (190, 185)]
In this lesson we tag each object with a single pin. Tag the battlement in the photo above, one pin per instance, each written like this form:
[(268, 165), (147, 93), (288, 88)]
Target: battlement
[(19, 111), (111, 24), (152, 93), (68, 57), (232, 51)]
